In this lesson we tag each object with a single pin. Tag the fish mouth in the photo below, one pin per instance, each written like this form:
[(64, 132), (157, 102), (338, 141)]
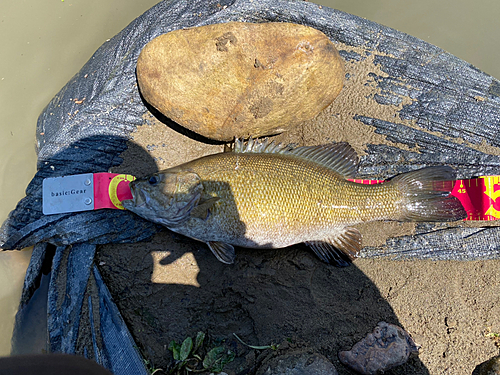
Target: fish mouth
[(139, 199)]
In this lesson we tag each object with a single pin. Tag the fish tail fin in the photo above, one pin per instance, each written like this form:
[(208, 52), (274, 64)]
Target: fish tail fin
[(426, 195)]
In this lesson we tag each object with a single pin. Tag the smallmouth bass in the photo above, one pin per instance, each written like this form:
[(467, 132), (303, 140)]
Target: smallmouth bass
[(264, 195)]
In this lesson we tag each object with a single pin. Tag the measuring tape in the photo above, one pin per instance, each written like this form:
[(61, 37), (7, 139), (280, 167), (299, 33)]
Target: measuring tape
[(477, 195), (93, 191), (111, 189), (84, 192)]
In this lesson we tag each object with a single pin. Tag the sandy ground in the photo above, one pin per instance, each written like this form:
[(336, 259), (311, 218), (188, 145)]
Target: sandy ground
[(173, 287)]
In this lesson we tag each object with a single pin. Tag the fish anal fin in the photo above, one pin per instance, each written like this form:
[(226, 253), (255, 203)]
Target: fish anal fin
[(222, 251), (202, 210), (339, 249)]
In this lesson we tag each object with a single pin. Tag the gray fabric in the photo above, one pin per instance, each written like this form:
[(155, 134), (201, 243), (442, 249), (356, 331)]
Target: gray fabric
[(74, 313), (75, 138)]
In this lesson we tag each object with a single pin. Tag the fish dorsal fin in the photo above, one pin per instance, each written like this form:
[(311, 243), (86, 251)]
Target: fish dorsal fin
[(339, 157), (340, 249), (258, 146)]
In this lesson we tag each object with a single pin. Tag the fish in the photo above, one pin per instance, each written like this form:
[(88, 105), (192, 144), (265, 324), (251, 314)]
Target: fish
[(267, 196)]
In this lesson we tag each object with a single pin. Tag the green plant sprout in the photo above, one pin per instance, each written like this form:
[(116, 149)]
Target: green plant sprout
[(495, 336), (271, 346), (188, 358), (150, 368)]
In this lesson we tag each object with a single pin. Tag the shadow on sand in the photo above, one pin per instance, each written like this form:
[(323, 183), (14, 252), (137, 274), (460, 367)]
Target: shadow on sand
[(284, 296), (172, 287)]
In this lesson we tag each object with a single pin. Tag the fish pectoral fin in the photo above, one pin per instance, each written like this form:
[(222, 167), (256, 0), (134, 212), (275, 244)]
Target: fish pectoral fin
[(222, 251), (339, 249), (179, 212), (203, 209)]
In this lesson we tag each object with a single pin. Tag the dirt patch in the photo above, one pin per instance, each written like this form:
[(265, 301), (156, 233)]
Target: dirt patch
[(173, 287)]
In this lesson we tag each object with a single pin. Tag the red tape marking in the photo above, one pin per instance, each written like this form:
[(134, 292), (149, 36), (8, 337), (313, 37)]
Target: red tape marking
[(110, 189), (479, 196)]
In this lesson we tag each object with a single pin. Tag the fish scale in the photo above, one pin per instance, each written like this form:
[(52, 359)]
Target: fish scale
[(268, 196), (298, 192)]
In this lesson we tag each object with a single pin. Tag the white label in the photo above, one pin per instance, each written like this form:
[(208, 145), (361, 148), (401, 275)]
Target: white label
[(68, 194)]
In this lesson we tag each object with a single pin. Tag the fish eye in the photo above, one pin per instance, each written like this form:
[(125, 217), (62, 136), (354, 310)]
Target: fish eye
[(153, 180)]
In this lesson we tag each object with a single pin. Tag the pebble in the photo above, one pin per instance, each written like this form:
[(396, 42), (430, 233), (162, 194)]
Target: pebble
[(387, 347), (490, 367), (298, 364)]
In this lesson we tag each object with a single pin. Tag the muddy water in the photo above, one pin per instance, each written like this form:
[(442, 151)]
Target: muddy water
[(45, 43)]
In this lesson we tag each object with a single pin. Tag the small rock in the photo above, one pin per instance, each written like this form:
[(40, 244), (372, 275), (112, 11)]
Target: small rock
[(240, 79), (490, 367), (298, 364), (388, 346)]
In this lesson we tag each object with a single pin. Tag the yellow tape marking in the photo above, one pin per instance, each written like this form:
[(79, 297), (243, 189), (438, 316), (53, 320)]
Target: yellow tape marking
[(490, 182), (113, 187)]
